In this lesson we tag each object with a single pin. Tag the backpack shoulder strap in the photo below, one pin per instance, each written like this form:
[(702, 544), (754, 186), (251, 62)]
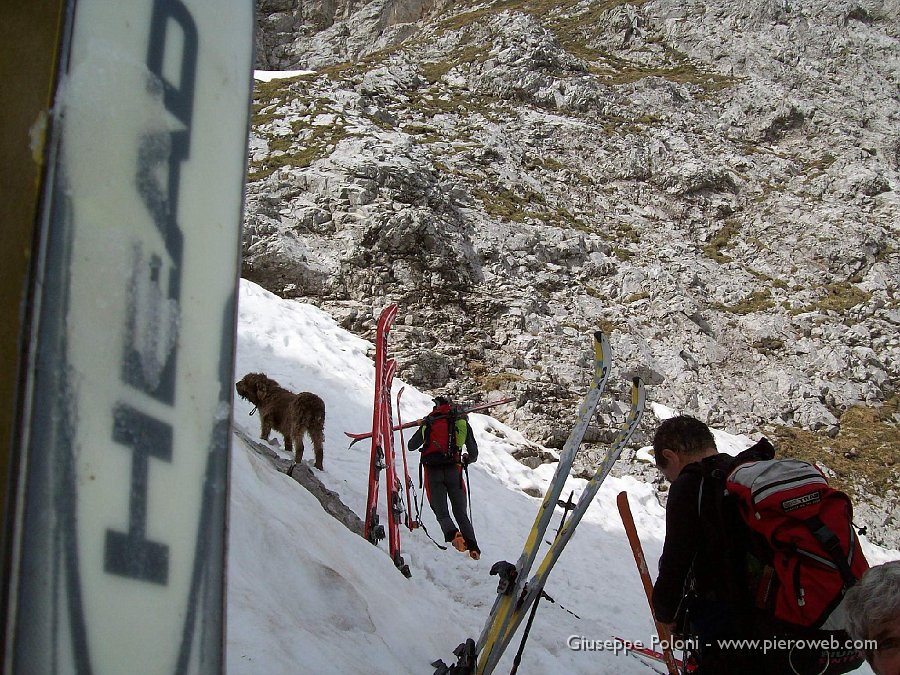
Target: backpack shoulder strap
[(722, 525), (829, 541), (426, 430), (711, 495)]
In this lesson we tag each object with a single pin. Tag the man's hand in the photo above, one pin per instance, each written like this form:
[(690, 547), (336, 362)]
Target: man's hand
[(464, 459)]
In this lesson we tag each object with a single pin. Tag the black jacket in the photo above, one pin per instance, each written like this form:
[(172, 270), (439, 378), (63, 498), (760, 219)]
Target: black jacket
[(704, 540)]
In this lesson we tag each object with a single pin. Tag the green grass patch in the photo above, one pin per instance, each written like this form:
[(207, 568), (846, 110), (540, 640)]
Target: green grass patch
[(843, 296), (508, 205), (626, 232), (495, 381), (839, 297), (267, 91), (298, 152), (721, 240), (757, 301), (819, 166), (340, 72), (419, 129), (635, 297), (768, 345), (594, 293), (544, 163), (867, 447), (435, 70), (608, 326)]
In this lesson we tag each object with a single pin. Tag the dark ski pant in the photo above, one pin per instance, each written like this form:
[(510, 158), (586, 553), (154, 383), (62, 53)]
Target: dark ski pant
[(711, 623), (443, 483)]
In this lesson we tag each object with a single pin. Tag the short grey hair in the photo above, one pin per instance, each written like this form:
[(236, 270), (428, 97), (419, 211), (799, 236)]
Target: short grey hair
[(874, 601)]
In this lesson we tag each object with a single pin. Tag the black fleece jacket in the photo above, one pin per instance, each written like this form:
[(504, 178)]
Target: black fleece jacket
[(692, 547)]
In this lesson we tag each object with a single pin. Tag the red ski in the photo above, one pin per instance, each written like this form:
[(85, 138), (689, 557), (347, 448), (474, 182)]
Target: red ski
[(631, 530), (407, 425), (653, 655), (372, 530), (395, 508)]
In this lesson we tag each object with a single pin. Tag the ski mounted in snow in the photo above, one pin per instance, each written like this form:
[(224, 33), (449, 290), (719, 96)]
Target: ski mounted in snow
[(372, 530), (567, 506), (465, 410), (393, 489), (382, 456), (515, 592), (637, 550), (535, 586)]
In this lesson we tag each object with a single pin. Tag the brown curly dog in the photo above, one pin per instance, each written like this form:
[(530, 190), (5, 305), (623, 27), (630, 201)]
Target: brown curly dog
[(291, 415)]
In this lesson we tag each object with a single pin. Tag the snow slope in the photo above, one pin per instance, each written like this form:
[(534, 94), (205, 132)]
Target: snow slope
[(305, 595)]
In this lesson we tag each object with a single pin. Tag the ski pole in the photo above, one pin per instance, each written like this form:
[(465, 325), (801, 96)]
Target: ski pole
[(567, 506), (409, 516), (665, 637), (469, 494)]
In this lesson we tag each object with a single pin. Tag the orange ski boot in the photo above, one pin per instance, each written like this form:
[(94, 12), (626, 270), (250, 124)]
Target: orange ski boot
[(459, 543)]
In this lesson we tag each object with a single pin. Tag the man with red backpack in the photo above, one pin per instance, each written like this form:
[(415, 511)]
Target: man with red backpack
[(756, 549), (448, 446)]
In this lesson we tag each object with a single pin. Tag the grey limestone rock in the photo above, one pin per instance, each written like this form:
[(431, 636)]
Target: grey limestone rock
[(714, 186)]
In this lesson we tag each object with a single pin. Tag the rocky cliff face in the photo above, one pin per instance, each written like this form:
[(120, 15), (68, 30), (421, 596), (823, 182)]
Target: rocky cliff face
[(714, 186)]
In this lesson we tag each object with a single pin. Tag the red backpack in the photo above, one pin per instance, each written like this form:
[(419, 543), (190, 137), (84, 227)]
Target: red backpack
[(439, 446), (811, 554)]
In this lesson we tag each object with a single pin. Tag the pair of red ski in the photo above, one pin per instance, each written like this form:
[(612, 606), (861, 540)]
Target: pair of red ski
[(382, 457)]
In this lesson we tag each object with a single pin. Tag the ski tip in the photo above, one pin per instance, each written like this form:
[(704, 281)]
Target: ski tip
[(602, 351), (638, 394), (601, 342)]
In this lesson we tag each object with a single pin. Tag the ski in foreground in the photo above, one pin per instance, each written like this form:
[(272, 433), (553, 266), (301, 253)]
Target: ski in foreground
[(116, 552)]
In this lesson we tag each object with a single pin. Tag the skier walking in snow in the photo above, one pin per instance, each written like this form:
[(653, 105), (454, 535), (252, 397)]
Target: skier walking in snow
[(448, 446)]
